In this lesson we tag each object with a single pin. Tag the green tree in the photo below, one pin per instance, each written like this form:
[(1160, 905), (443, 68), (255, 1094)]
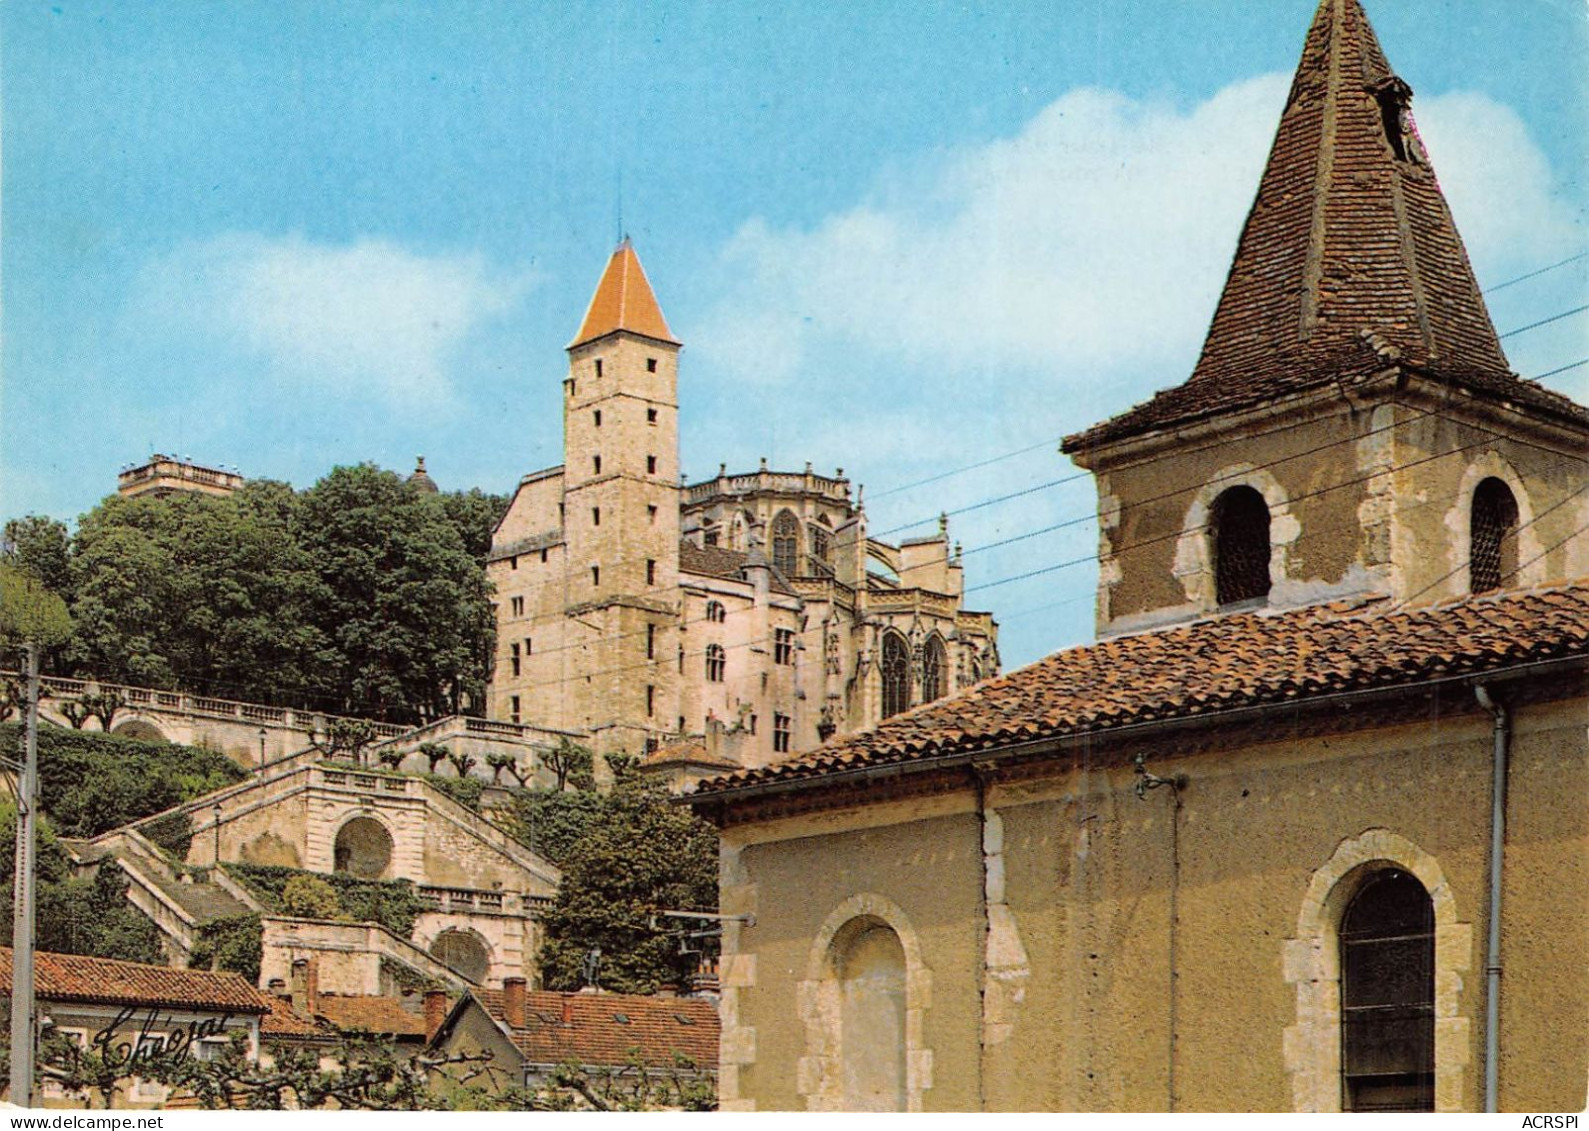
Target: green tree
[(638, 854), (474, 515), (405, 604), (29, 612), (39, 546), (572, 764)]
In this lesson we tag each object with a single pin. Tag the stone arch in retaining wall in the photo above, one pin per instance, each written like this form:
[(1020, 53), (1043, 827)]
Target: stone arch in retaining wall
[(363, 848), (140, 729), (1311, 961), (465, 950)]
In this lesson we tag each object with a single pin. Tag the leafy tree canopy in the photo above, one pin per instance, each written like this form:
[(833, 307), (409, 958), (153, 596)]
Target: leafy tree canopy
[(29, 612), (39, 546)]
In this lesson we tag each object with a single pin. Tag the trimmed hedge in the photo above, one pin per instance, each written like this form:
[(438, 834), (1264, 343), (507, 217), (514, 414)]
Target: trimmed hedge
[(90, 783)]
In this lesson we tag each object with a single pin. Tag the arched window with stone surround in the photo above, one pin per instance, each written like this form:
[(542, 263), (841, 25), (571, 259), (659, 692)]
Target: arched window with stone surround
[(786, 543), (895, 669), (716, 663), (1492, 550), (1238, 531), (1387, 965), (870, 963), (934, 669)]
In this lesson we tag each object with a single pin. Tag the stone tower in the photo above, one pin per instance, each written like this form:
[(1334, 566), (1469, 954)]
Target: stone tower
[(1352, 427), (621, 508)]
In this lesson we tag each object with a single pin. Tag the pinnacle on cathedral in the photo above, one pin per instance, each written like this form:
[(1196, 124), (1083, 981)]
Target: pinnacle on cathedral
[(1349, 259), (623, 301)]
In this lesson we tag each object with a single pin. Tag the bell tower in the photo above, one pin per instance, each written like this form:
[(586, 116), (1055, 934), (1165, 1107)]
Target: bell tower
[(621, 510)]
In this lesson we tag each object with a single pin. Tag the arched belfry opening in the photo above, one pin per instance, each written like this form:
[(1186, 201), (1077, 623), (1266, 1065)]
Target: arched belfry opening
[(363, 848), (1238, 532), (1492, 549), (1387, 941)]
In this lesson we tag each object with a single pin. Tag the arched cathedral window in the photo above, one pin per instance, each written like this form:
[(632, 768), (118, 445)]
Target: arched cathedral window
[(821, 550), (786, 543), (1492, 552), (1239, 533), (1387, 996), (934, 666), (896, 674), (716, 663)]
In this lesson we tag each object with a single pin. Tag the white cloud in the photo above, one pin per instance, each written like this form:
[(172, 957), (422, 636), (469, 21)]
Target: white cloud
[(1087, 250), (365, 319)]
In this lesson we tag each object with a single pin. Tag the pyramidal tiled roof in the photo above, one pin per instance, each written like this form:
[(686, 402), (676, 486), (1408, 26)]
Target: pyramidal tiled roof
[(623, 301), (1349, 258)]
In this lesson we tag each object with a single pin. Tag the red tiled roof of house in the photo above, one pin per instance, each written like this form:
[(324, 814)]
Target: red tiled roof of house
[(77, 977), (688, 752), (1225, 662), (1349, 260), (283, 1023), (623, 301), (371, 1013), (602, 1029)]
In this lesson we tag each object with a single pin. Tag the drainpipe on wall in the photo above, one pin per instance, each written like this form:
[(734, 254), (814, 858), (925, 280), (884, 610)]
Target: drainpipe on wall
[(1492, 954)]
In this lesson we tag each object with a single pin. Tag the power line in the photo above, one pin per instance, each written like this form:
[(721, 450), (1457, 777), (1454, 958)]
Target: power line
[(1547, 321), (968, 467), (1541, 271), (1562, 368)]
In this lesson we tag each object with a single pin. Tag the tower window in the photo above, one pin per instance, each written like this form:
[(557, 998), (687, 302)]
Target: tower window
[(651, 700), (595, 577), (1239, 531), (596, 416), (543, 557), (569, 386), (651, 416), (513, 658), (896, 674), (595, 464), (786, 543), (595, 516), (1387, 996), (715, 612), (1492, 552), (651, 571), (516, 604), (783, 645), (651, 465), (651, 365), (598, 367), (780, 734), (513, 562), (651, 513), (529, 646), (716, 663), (651, 641), (513, 709)]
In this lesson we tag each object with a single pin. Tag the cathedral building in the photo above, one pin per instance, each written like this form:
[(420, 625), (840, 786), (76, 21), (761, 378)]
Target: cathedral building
[(740, 619), (1304, 829)]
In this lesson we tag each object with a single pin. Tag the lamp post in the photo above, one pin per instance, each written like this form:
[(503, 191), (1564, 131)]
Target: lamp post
[(262, 735), (24, 1012), (217, 810)]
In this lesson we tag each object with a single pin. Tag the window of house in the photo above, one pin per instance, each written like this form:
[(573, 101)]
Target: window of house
[(934, 670), (780, 734), (651, 572), (513, 709), (716, 663), (651, 465), (783, 645), (896, 674), (651, 416), (517, 605), (651, 365), (786, 543), (513, 658), (1239, 534), (715, 612), (1492, 552), (1387, 996)]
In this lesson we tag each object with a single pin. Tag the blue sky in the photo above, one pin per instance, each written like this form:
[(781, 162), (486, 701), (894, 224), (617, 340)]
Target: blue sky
[(899, 238)]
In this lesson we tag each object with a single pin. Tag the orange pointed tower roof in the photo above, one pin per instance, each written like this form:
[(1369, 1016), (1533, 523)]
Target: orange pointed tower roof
[(623, 301), (1349, 260)]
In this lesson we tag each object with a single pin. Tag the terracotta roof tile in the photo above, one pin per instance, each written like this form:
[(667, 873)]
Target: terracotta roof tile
[(690, 752), (283, 1023), (1229, 661), (1349, 259), (372, 1013), (623, 301), (609, 1029), (77, 977)]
